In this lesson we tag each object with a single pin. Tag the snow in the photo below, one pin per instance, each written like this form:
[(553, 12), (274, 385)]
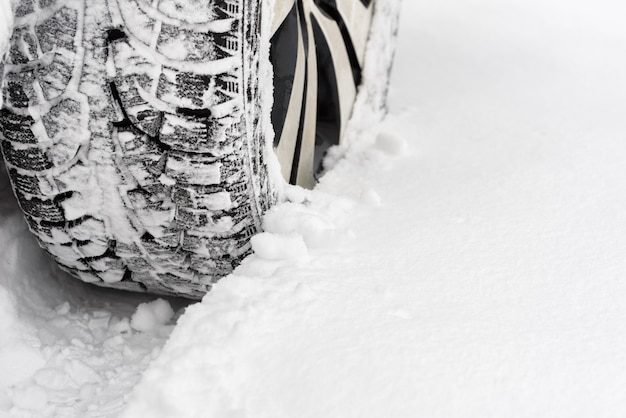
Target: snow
[(464, 258), (269, 246), (151, 315)]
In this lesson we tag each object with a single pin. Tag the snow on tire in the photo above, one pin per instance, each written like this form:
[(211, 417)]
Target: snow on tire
[(138, 134), (133, 136)]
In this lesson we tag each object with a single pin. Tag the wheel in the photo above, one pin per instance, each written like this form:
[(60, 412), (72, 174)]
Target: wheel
[(138, 134), (317, 53)]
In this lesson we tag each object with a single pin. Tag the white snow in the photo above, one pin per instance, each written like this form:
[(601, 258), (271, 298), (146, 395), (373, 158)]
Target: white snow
[(273, 247), (151, 315), (465, 257), (33, 398)]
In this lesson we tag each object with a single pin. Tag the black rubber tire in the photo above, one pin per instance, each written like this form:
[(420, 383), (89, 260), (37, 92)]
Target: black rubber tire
[(134, 137)]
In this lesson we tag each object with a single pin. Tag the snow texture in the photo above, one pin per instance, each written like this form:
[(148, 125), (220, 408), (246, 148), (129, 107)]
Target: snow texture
[(464, 257), (151, 315)]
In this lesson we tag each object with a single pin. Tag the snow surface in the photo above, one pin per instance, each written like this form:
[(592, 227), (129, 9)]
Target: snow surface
[(465, 258)]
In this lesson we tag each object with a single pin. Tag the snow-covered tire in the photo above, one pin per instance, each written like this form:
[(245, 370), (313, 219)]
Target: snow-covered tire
[(138, 138), (134, 137)]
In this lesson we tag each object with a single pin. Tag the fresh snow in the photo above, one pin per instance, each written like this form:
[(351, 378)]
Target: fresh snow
[(465, 257), (152, 315)]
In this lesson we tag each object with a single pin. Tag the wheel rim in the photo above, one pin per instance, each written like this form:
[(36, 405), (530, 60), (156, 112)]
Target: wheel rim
[(317, 51)]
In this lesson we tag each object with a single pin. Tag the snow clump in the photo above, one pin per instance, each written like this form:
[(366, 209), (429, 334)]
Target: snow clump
[(270, 246), (151, 315)]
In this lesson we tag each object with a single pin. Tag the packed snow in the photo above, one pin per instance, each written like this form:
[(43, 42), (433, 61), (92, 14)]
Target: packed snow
[(465, 257)]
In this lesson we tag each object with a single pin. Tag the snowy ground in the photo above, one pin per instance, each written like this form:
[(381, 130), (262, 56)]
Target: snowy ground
[(468, 261)]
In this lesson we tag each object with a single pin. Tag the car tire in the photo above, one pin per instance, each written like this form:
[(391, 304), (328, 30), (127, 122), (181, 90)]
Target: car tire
[(138, 136)]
